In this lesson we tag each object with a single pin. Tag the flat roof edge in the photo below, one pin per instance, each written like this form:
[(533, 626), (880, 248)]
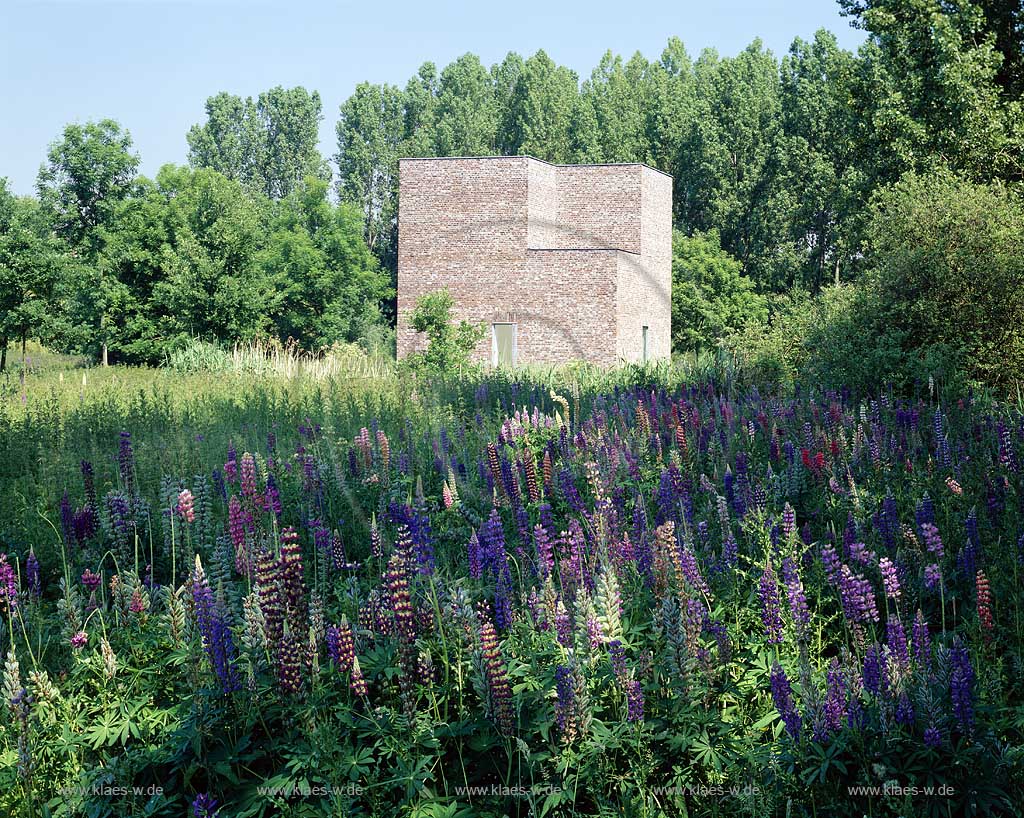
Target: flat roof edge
[(535, 159)]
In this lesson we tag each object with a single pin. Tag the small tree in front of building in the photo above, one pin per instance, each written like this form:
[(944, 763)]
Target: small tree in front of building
[(448, 344)]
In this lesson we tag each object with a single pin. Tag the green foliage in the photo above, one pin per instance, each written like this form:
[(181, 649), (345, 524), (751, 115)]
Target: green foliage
[(949, 271), (33, 262), (268, 145), (711, 298), (448, 345), (88, 171)]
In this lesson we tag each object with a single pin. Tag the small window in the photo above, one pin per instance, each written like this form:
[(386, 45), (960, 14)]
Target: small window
[(644, 359), (503, 344)]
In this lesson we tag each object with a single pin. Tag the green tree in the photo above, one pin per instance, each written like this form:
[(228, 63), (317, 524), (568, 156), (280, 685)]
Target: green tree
[(449, 345), (540, 109), (931, 87), (730, 170), (619, 95), (327, 284), (711, 298), (212, 287), (370, 135), (88, 171), (269, 145), (466, 113), (33, 264), (949, 270), (823, 160)]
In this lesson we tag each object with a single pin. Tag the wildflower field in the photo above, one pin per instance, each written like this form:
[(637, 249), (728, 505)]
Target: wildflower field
[(628, 594)]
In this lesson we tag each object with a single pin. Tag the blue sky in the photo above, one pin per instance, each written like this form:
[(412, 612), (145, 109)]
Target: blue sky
[(152, 64)]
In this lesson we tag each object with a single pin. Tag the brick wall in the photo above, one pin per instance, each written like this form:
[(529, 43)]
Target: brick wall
[(513, 240)]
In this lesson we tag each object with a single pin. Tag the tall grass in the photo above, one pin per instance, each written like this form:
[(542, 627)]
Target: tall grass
[(287, 361)]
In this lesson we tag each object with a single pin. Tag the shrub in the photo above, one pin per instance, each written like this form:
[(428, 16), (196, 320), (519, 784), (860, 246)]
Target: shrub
[(711, 298), (948, 274), (448, 345)]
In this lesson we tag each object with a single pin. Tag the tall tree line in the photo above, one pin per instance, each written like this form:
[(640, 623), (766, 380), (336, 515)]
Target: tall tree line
[(780, 157), (776, 163)]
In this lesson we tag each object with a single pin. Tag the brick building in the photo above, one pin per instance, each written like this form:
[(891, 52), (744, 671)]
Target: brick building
[(562, 262)]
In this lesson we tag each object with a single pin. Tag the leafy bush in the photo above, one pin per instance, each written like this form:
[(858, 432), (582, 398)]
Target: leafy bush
[(711, 298), (448, 345), (948, 271)]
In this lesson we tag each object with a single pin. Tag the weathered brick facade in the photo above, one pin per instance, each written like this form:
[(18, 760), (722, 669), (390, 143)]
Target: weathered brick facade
[(578, 257)]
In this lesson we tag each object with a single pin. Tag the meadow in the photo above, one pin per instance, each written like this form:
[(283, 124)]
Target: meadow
[(646, 592)]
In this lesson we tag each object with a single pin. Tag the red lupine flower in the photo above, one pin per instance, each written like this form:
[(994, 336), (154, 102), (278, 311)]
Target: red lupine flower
[(186, 506), (984, 603)]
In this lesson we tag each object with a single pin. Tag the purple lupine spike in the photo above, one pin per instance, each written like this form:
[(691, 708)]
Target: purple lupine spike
[(896, 637), (782, 695), (788, 521), (634, 701), (126, 461), (771, 613), (932, 539), (617, 654), (214, 626), (205, 806), (474, 552), (565, 698), (797, 597), (922, 641), (545, 553), (873, 674), (961, 687), (8, 586), (835, 711), (890, 581)]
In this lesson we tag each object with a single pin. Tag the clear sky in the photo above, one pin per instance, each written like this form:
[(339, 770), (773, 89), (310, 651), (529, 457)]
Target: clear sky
[(151, 64)]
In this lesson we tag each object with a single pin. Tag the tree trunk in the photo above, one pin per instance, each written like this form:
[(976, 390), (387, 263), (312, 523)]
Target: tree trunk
[(3, 354), (837, 268), (23, 339), (105, 353)]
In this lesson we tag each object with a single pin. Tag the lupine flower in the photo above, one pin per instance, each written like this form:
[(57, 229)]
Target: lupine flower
[(932, 539), (922, 641), (889, 579), (782, 695), (771, 614), (205, 806), (79, 640), (873, 674), (8, 586), (961, 687), (617, 654), (634, 701), (33, 578), (896, 638), (498, 687), (932, 737), (126, 461), (248, 476), (290, 652), (984, 595), (904, 710), (932, 576), (216, 631), (186, 506), (90, 580), (545, 555), (835, 712), (788, 521), (797, 597), (565, 702)]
